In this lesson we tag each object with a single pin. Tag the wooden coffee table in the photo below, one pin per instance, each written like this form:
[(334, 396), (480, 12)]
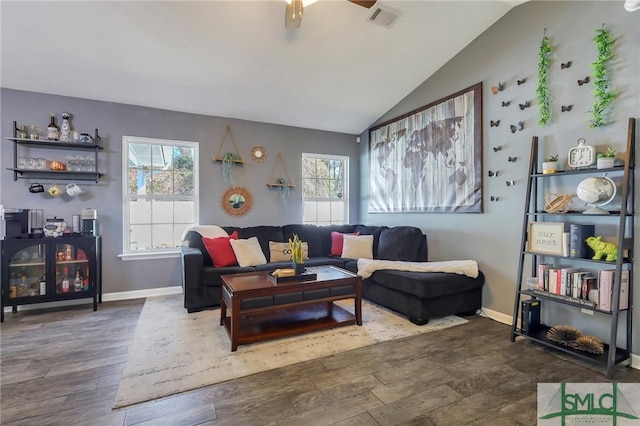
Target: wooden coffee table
[(261, 309)]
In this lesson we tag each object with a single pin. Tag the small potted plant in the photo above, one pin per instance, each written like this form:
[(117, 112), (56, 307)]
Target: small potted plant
[(550, 165), (606, 159), (228, 161), (297, 254)]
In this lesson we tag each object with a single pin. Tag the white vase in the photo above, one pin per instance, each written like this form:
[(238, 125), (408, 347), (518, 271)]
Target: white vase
[(549, 167), (605, 162)]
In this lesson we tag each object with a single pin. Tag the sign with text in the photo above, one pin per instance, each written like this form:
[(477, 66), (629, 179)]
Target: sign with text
[(588, 403), (546, 237)]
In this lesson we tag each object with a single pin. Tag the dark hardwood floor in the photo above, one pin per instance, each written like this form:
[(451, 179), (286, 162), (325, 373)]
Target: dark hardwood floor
[(62, 367)]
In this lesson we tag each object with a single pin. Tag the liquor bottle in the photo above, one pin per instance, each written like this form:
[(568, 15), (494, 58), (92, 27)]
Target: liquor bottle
[(68, 253), (58, 281), (85, 284), (52, 129), (65, 281), (77, 282), (43, 285)]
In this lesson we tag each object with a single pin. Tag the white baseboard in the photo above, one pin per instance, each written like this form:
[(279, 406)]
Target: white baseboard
[(138, 294), (107, 297), (496, 316)]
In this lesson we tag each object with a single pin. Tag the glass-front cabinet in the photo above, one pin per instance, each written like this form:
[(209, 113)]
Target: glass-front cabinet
[(50, 269)]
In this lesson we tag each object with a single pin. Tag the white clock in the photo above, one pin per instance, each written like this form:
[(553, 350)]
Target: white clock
[(582, 155)]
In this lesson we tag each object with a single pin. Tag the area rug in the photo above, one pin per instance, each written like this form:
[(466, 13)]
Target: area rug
[(173, 351)]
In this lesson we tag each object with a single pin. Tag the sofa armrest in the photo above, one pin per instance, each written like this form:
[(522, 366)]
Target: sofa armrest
[(191, 268)]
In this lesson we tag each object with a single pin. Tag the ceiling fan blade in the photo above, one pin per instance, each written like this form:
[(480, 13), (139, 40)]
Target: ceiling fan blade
[(293, 14), (364, 3)]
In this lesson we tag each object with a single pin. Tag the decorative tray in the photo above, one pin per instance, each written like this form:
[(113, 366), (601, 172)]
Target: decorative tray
[(293, 278)]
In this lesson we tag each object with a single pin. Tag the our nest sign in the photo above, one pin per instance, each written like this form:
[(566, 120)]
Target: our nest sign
[(546, 237)]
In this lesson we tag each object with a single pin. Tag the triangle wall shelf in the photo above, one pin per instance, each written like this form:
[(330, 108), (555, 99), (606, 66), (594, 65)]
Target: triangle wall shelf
[(220, 154), (273, 181)]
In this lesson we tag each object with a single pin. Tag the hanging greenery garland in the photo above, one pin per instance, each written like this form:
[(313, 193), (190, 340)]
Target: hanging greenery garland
[(602, 95), (542, 91)]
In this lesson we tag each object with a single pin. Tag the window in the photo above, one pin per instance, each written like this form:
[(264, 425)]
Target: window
[(325, 199), (160, 187)]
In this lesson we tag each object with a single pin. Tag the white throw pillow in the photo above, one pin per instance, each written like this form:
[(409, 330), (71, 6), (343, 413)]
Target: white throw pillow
[(248, 252), (357, 247)]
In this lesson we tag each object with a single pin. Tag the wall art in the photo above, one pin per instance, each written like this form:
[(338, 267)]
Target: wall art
[(430, 159)]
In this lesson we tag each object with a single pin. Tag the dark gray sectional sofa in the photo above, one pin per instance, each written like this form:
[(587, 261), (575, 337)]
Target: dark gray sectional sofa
[(418, 295)]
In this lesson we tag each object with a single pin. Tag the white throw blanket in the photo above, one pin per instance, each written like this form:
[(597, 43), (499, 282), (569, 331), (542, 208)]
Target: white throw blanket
[(366, 267), (210, 231)]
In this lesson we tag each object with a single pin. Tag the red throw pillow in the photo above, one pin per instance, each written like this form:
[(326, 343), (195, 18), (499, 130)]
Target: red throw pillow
[(337, 240), (220, 250)]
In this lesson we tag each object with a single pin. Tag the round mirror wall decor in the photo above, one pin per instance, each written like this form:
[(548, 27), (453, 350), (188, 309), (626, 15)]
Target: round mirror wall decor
[(258, 154), (236, 201)]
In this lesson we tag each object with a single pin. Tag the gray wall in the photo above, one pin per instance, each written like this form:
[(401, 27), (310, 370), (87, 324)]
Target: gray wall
[(115, 120), (504, 53)]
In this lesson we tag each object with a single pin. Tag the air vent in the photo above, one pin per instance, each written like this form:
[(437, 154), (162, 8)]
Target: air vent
[(383, 17)]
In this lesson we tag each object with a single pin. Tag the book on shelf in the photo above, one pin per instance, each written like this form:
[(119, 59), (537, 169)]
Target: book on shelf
[(578, 240), (543, 276), (606, 280), (575, 289), (580, 302), (552, 281), (530, 319), (565, 281)]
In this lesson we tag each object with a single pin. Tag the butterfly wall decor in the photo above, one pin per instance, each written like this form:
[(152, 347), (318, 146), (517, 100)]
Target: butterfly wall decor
[(518, 126), (513, 159), (585, 81), (497, 148), (566, 108), (493, 174), (494, 198), (522, 81), (510, 182), (524, 105), (505, 104), (497, 89), (494, 123), (565, 65)]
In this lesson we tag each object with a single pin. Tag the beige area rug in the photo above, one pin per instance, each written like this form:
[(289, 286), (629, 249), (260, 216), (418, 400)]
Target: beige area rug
[(173, 351)]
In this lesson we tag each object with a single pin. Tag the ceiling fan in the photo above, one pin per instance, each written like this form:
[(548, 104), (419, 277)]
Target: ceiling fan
[(293, 10)]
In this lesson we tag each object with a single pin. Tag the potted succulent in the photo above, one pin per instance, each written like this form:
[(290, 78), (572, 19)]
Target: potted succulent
[(297, 254), (606, 159), (550, 165)]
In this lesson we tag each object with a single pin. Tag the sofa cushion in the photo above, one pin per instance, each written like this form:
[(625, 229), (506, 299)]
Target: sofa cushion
[(308, 233), (281, 252), (220, 250), (211, 276), (264, 235), (399, 243), (358, 247), (427, 285), (248, 252), (337, 241)]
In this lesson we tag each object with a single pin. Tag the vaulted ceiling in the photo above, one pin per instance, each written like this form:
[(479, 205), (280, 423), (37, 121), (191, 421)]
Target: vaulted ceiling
[(337, 72)]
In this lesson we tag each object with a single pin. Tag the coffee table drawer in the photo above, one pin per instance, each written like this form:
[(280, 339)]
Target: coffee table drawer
[(317, 294), (343, 290), (256, 302), (281, 299)]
